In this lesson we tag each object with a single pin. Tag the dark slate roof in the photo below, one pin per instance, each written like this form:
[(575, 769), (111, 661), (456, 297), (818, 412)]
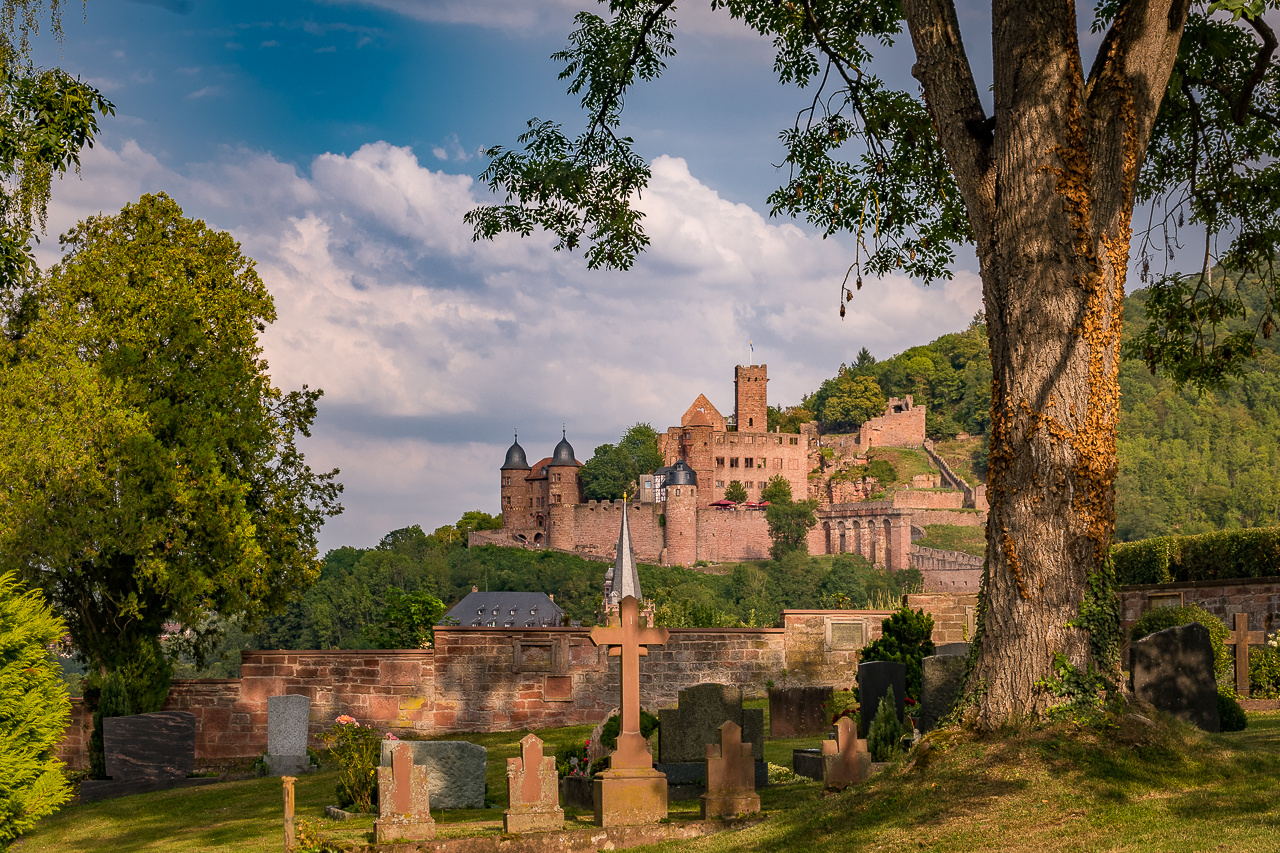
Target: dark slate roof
[(515, 458), (681, 475), (480, 609), (563, 454)]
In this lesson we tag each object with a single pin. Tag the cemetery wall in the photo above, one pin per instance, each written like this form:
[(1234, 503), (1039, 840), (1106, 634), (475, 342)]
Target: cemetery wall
[(73, 751), (954, 616), (1259, 597)]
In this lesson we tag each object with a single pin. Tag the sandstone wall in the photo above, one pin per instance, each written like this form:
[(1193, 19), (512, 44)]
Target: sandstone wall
[(732, 535), (1259, 597), (947, 571)]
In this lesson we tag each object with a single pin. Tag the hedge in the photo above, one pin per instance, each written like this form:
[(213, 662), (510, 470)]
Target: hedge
[(1252, 553)]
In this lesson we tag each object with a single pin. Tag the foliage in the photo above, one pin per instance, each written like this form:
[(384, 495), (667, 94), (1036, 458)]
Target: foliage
[(1160, 618), (357, 750), (1230, 714), (109, 696), (788, 419), (777, 490), (609, 732), (884, 736), (735, 492), (571, 759), (789, 525), (615, 470), (408, 620), (882, 471), (1208, 556), (153, 470), (950, 537), (906, 637), (35, 711), (1264, 669), (848, 400)]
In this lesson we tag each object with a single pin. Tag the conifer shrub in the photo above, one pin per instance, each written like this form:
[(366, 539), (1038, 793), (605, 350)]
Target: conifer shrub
[(34, 711), (906, 637), (884, 738), (110, 695)]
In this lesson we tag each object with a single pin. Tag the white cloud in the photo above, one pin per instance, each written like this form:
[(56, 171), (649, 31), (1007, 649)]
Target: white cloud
[(431, 348)]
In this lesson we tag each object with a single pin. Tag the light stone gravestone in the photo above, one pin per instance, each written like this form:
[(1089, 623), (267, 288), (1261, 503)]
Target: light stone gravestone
[(688, 728), (287, 721), (731, 776), (845, 760), (1173, 670), (455, 770), (404, 798), (631, 791), (940, 683), (532, 790), (874, 680)]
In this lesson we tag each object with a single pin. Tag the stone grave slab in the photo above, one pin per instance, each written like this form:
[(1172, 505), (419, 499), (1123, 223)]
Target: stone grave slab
[(874, 680), (145, 752), (288, 719), (455, 770), (685, 731), (961, 649), (845, 760), (798, 711), (731, 778), (940, 684), (404, 797), (532, 790), (1173, 670)]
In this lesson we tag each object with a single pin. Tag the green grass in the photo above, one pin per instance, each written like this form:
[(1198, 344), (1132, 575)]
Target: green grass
[(959, 455), (905, 461), (1132, 787), (953, 537)]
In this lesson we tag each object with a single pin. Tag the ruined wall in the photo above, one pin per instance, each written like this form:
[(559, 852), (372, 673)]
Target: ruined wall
[(947, 571), (895, 429), (959, 517), (732, 535), (1259, 597), (920, 499)]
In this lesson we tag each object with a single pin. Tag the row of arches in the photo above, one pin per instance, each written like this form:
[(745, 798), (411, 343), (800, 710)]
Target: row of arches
[(870, 538)]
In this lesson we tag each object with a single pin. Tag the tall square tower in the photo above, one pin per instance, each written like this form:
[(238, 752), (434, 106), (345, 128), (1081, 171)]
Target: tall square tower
[(751, 400)]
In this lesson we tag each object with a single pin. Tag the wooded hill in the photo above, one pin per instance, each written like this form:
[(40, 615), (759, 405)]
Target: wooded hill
[(1189, 461)]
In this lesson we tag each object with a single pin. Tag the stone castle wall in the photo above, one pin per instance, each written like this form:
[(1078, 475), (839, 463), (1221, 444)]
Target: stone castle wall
[(921, 499), (896, 429), (731, 535), (947, 571)]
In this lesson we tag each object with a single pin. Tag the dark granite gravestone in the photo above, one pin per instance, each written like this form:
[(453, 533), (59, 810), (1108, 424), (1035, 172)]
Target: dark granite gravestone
[(685, 731), (798, 711), (145, 752), (940, 683), (961, 649), (874, 680), (1173, 670)]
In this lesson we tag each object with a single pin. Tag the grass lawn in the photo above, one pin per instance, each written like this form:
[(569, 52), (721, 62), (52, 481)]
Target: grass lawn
[(1135, 786), (959, 454), (953, 537), (905, 461)]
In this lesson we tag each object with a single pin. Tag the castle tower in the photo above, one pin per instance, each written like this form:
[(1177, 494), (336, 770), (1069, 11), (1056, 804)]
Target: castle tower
[(681, 511), (562, 474), (751, 400), (515, 488)]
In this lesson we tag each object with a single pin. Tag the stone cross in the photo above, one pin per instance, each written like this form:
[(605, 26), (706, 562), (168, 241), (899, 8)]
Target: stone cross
[(1242, 638), (404, 805), (628, 641), (731, 776), (845, 760), (532, 790)]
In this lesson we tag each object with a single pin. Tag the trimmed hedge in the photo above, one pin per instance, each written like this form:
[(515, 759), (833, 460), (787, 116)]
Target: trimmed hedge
[(1252, 553)]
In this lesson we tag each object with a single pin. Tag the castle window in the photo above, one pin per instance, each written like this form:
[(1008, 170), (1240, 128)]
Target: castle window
[(719, 484), (530, 503), (749, 462), (777, 463), (795, 441), (751, 421), (677, 492), (719, 461), (557, 499), (733, 462), (761, 462)]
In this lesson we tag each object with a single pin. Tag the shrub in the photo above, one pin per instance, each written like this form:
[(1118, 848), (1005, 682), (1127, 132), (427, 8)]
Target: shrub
[(884, 738), (609, 733), (1253, 553), (906, 637), (571, 760), (1264, 669), (357, 750), (35, 711), (1230, 714), (1159, 618), (111, 696)]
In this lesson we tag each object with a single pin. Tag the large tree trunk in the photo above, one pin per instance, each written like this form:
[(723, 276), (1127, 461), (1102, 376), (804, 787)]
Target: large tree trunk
[(1049, 190)]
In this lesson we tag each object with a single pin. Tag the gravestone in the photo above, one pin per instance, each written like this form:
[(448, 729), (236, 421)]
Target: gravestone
[(145, 752), (940, 684), (1241, 637), (687, 729), (404, 797), (631, 791), (455, 770), (845, 760), (287, 721), (798, 711), (1173, 670), (874, 680), (961, 649), (532, 790), (807, 763), (731, 777)]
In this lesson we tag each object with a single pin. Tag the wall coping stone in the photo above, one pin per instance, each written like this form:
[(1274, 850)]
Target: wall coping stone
[(1198, 584)]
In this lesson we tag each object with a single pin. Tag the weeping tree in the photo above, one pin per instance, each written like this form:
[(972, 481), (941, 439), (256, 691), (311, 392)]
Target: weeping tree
[(1176, 114)]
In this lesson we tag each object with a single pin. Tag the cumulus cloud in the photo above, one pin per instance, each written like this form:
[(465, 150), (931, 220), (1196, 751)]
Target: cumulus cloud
[(432, 348)]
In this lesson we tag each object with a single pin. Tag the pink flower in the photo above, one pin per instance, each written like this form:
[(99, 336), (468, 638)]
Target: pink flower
[(345, 720), (391, 736)]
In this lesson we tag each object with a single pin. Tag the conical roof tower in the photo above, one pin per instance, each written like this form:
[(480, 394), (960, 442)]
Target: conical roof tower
[(623, 578)]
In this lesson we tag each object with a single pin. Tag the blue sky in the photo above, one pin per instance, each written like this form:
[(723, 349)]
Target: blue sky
[(339, 142)]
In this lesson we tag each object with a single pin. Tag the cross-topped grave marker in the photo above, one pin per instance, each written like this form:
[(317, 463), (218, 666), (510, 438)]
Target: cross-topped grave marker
[(630, 792), (404, 805), (845, 760), (627, 641), (532, 790), (731, 776), (1242, 638)]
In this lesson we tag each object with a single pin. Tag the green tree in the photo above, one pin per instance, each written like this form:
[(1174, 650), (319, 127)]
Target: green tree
[(408, 621), (848, 400), (883, 471), (735, 492), (884, 735), (36, 711), (906, 637), (615, 470), (789, 526), (788, 418), (777, 490), (152, 467), (1177, 110)]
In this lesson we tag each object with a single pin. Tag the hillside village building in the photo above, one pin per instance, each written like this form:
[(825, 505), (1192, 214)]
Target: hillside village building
[(672, 520)]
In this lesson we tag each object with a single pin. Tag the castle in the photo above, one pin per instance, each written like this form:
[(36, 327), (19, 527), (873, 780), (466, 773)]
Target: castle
[(672, 518)]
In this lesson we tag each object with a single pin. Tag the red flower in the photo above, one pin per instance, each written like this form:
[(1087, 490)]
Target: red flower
[(909, 700)]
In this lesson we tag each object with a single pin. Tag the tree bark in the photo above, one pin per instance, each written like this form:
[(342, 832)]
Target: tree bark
[(1049, 191)]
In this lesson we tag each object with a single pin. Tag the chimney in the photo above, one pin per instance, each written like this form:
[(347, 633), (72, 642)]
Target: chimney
[(475, 588)]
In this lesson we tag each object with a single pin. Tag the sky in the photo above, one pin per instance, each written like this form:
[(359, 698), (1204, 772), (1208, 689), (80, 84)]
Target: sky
[(339, 142)]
